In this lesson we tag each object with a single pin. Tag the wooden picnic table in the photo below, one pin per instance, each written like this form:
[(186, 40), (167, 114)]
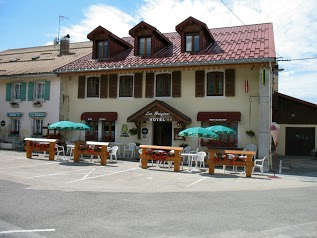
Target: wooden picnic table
[(31, 146), (248, 163), (176, 158), (103, 153)]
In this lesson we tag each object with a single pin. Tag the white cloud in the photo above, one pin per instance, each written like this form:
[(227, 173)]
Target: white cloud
[(294, 23)]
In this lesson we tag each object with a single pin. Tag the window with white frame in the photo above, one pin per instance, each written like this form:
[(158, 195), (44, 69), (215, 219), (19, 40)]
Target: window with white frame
[(215, 84), (17, 90), (93, 87), (39, 90), (163, 85), (37, 126), (15, 126), (126, 86)]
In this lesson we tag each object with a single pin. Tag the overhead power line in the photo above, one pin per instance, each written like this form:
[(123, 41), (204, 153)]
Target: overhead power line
[(308, 58)]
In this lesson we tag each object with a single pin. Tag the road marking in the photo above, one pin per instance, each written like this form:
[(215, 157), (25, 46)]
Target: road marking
[(25, 231), (195, 182), (61, 173), (88, 173), (103, 175)]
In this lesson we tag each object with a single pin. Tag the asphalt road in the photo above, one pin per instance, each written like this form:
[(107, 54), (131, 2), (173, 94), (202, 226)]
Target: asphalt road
[(41, 198)]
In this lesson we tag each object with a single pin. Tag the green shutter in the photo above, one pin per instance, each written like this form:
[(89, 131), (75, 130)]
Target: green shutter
[(47, 90), (23, 91), (30, 91), (8, 92)]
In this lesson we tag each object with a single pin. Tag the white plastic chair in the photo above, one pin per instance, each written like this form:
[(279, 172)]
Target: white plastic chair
[(130, 148), (199, 159), (186, 158), (113, 153), (259, 163), (59, 149)]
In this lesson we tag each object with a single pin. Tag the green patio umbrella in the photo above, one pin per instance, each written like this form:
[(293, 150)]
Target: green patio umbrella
[(198, 132), (68, 125), (221, 129)]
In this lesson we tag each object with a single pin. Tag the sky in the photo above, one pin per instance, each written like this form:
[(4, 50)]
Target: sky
[(30, 23)]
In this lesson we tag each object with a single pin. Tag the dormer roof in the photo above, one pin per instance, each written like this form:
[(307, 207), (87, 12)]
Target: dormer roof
[(189, 23), (143, 28)]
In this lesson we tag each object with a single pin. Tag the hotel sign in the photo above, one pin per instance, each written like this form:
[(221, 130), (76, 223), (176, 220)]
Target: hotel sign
[(158, 116), (9, 114)]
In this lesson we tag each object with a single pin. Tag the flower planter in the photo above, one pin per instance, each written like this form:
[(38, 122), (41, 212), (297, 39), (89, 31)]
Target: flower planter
[(6, 146)]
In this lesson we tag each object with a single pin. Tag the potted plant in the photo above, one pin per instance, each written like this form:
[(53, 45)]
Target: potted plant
[(250, 133), (133, 131)]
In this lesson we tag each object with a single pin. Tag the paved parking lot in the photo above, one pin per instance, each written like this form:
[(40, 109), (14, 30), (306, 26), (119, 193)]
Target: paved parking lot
[(127, 176)]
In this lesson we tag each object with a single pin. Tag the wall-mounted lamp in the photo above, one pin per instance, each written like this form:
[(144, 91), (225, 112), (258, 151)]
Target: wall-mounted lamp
[(143, 123), (292, 116), (178, 123)]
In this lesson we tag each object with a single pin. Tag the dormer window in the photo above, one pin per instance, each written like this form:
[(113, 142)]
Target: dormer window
[(106, 44), (192, 42), (102, 49), (148, 41), (195, 36), (145, 46)]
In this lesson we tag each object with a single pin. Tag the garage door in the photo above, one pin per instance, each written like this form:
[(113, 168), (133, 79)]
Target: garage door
[(299, 140)]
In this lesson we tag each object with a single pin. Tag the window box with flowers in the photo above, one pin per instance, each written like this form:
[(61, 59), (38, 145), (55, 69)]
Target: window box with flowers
[(37, 104), (218, 143), (14, 133), (14, 104)]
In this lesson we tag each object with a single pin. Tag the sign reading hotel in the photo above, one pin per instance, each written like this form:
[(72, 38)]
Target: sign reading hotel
[(158, 116)]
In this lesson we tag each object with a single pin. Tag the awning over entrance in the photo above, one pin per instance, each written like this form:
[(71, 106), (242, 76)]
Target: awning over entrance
[(219, 116), (159, 111), (99, 116)]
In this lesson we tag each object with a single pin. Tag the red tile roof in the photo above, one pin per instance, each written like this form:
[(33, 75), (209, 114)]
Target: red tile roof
[(239, 44)]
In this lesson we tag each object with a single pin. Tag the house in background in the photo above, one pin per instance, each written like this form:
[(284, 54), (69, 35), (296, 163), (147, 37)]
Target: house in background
[(158, 84), (31, 94), (298, 125)]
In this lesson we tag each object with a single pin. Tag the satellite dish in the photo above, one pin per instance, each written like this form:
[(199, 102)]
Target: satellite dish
[(55, 42)]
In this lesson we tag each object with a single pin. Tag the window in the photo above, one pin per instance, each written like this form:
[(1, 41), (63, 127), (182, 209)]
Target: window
[(192, 43), (225, 140), (92, 134), (17, 91), (39, 91), (215, 84), (145, 46), (163, 85), (102, 49), (15, 126), (126, 86), (108, 132), (37, 126), (93, 87)]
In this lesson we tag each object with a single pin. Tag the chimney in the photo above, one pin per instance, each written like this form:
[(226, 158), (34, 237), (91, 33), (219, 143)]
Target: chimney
[(64, 46)]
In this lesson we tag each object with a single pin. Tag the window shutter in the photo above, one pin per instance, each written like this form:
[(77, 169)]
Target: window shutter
[(176, 84), (200, 83), (47, 91), (8, 92), (23, 91), (230, 82), (104, 86), (149, 88), (81, 86), (30, 91), (138, 79), (113, 85)]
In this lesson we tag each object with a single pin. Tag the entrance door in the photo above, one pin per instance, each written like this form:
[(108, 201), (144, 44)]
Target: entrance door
[(299, 140), (162, 133)]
